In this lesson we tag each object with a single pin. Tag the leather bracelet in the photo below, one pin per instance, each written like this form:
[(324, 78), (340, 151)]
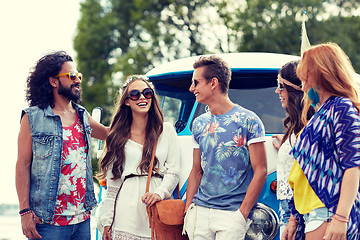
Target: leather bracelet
[(24, 210), (25, 213)]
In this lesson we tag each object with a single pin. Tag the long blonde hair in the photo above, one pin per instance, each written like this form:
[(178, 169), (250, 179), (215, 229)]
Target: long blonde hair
[(120, 133), (332, 72)]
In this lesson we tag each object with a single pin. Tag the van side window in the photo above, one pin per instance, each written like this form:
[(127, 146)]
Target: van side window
[(170, 108), (265, 103)]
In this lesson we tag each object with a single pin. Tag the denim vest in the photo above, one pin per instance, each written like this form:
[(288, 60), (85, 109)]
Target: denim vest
[(47, 143)]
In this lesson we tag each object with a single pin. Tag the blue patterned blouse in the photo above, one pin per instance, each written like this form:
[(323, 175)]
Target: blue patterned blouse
[(328, 145)]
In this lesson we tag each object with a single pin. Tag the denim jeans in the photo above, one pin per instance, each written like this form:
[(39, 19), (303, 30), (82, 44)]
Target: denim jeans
[(80, 231), (284, 214), (316, 217)]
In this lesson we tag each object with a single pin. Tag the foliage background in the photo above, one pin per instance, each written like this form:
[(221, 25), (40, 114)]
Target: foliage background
[(116, 38)]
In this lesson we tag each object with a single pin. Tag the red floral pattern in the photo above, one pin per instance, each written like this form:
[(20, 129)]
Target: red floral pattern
[(69, 207)]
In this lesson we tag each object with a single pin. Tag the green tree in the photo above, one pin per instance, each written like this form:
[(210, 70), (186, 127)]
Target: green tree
[(345, 31), (272, 26), (275, 26), (117, 38), (93, 44)]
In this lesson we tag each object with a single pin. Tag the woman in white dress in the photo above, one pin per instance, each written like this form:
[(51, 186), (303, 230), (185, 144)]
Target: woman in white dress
[(290, 94), (136, 126)]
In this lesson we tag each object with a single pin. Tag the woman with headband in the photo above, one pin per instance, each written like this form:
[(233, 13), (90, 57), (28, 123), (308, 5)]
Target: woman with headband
[(290, 94), (136, 126)]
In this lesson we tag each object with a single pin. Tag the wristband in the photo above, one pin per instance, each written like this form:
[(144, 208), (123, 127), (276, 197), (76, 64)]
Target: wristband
[(342, 216), (25, 213), (24, 210), (339, 219)]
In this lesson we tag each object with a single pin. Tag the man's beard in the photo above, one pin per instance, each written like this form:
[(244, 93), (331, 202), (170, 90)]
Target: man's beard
[(67, 92)]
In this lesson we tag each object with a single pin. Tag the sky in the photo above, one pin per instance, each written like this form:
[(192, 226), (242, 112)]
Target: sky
[(29, 30)]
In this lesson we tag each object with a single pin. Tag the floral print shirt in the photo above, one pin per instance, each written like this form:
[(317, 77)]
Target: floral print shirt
[(223, 142), (69, 207)]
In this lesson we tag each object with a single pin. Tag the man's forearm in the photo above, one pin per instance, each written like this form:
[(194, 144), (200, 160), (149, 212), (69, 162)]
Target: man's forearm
[(22, 182), (192, 187), (253, 192)]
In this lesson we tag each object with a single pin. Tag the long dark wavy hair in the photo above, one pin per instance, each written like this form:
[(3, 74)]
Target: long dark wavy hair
[(120, 133), (295, 105), (38, 90)]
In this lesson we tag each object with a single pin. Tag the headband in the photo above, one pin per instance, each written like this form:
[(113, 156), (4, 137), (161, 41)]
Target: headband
[(133, 77), (282, 80)]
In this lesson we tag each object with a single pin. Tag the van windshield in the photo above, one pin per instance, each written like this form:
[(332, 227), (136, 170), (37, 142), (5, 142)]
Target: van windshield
[(253, 89), (264, 102)]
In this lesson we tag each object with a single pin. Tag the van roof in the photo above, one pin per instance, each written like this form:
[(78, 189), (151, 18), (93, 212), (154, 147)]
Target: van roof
[(237, 61)]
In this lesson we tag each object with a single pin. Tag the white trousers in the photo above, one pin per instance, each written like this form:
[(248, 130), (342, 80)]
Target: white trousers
[(203, 223)]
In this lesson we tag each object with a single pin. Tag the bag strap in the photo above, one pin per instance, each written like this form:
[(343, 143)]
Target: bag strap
[(133, 175), (150, 168), (150, 173), (148, 210), (178, 191)]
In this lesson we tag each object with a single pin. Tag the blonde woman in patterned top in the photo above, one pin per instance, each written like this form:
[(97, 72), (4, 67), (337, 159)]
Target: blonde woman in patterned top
[(325, 176)]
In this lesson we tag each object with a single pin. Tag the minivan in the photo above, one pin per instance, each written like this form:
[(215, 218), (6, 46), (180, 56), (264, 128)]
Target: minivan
[(253, 85)]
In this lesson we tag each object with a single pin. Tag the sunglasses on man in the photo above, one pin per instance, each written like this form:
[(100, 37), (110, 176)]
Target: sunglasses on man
[(71, 75), (135, 94)]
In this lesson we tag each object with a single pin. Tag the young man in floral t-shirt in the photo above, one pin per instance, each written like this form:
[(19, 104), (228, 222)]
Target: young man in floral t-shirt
[(229, 161)]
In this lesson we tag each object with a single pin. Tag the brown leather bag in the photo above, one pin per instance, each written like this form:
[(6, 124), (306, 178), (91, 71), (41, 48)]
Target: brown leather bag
[(166, 216)]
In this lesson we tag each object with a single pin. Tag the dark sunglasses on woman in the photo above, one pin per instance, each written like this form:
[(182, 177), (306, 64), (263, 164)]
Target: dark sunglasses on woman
[(135, 94), (280, 86)]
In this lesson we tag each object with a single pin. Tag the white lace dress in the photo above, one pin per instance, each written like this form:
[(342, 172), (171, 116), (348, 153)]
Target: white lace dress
[(131, 220), (284, 166)]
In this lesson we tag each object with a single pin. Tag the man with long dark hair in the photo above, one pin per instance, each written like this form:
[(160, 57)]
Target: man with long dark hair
[(53, 170)]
